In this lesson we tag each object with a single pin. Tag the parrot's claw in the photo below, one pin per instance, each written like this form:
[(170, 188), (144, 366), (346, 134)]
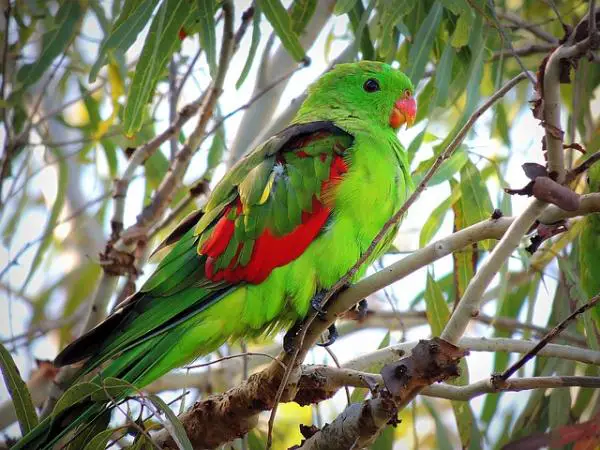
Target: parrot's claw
[(361, 309), (289, 340), (333, 335), (316, 305)]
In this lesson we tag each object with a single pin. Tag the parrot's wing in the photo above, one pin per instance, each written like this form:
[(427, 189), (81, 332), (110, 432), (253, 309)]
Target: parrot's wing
[(263, 214), (273, 203)]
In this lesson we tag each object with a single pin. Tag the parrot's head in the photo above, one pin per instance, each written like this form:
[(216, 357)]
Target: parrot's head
[(368, 92)]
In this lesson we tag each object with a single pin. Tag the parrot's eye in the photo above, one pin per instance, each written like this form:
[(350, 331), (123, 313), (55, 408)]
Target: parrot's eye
[(407, 93), (371, 85)]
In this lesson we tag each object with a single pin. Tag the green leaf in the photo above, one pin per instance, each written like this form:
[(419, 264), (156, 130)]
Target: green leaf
[(302, 12), (99, 441), (160, 43), (443, 74), (215, 153), (61, 189), (460, 37), (436, 218), (421, 48), (208, 37), (17, 389), (559, 407), (253, 46), (112, 389), (385, 440), (510, 305), (358, 22), (8, 233), (175, 428), (500, 126), (54, 42), (477, 205), (390, 13), (446, 171), (282, 25), (576, 291), (343, 6), (437, 309), (74, 395), (476, 67), (156, 167), (443, 439), (134, 17)]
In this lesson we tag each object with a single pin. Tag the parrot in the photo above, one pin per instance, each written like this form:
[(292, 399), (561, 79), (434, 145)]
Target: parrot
[(589, 246), (286, 222)]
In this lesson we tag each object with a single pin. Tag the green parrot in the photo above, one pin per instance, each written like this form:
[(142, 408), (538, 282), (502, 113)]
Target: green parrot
[(589, 246), (285, 223)]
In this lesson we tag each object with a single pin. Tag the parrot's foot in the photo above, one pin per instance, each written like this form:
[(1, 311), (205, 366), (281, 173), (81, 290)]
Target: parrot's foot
[(289, 340), (361, 309), (333, 335), (315, 303)]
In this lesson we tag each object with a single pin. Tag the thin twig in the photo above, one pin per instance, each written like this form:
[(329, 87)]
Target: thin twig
[(187, 73), (237, 355), (534, 29), (583, 167), (526, 50), (3, 84), (546, 339)]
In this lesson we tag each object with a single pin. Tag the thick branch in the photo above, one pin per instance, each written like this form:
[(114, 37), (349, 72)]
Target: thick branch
[(390, 354)]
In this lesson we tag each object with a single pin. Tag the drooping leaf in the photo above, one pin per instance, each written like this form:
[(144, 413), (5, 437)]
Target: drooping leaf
[(390, 13), (438, 312), (160, 43), (443, 437), (343, 6), (460, 37), (61, 189), (134, 17), (54, 42), (358, 22), (302, 12), (253, 46), (446, 171), (477, 205), (75, 394), (423, 43), (576, 292), (443, 75), (436, 218), (280, 20), (510, 305), (18, 392), (172, 424), (208, 36), (99, 441), (156, 167)]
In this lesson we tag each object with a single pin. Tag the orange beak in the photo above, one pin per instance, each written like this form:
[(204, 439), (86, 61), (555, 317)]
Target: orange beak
[(404, 112)]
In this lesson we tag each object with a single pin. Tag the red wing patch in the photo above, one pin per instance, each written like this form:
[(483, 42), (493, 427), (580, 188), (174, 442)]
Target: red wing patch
[(269, 251)]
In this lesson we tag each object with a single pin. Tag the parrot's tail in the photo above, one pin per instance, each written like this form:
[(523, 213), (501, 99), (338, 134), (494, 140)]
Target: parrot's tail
[(85, 408)]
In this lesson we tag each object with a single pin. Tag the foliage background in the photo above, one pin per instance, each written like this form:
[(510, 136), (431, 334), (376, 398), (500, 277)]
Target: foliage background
[(78, 98)]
